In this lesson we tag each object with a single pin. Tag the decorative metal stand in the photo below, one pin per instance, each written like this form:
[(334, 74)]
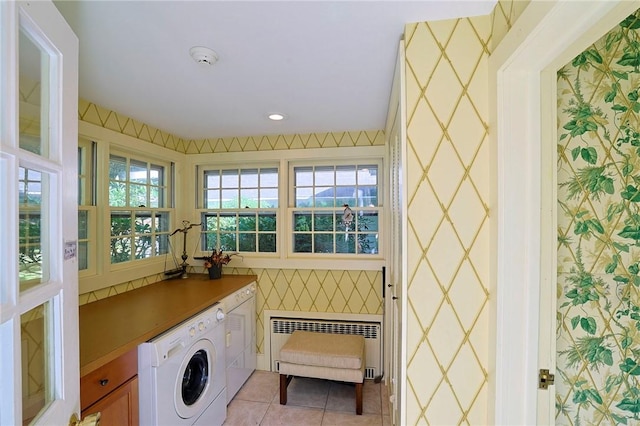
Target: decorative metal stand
[(182, 268)]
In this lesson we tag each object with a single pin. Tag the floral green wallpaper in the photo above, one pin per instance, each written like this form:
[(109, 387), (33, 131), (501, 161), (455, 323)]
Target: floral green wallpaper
[(598, 163)]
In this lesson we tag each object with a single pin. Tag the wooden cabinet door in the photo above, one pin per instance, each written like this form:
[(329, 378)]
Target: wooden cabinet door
[(118, 408)]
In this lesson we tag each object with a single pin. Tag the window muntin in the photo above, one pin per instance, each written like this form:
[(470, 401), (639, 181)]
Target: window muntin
[(321, 194), (240, 209), (139, 219)]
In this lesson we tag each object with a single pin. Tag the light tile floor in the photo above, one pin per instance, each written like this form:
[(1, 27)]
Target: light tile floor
[(310, 402)]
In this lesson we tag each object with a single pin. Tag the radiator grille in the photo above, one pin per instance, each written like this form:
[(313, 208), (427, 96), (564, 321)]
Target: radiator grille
[(369, 331)]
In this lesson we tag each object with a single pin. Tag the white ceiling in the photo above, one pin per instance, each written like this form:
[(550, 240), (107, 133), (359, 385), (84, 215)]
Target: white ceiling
[(327, 65)]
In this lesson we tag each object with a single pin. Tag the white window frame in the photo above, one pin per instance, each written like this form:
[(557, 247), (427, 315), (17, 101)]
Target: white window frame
[(105, 274), (202, 209), (86, 203), (131, 156), (194, 163), (292, 209)]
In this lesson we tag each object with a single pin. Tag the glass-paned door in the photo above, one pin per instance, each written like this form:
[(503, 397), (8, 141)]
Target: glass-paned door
[(38, 181)]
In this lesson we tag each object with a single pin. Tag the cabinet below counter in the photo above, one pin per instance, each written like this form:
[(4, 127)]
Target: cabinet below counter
[(112, 327)]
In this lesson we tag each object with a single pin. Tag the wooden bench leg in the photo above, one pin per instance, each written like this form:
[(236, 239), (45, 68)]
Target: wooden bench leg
[(284, 382), (358, 398)]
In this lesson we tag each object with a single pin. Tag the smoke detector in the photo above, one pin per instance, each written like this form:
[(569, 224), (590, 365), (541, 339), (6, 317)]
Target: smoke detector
[(203, 55)]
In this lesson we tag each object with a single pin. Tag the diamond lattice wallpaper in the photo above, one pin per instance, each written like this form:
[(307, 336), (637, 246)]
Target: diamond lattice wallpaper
[(448, 220)]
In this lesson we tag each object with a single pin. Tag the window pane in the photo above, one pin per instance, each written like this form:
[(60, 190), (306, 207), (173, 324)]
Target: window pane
[(267, 243), (209, 222), (303, 176), (247, 242), (346, 175), (269, 198), (368, 221), (323, 243), (120, 250), (304, 197), (37, 366), (368, 243), (83, 235), (345, 243), (157, 175), (32, 221), (249, 178), (154, 197), (346, 195), (143, 223), (324, 197), (121, 230), (302, 243), (368, 175), (228, 242), (138, 195), (83, 255), (209, 242), (249, 198), (138, 172), (120, 223), (212, 179), (117, 168), (34, 107), (117, 181), (230, 199), (143, 247), (269, 178), (302, 221), (247, 222), (228, 222), (230, 179), (117, 194), (212, 199), (323, 221), (368, 196), (267, 222), (324, 176)]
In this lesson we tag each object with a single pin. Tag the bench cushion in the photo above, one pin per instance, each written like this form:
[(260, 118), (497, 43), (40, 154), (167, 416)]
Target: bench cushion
[(342, 351)]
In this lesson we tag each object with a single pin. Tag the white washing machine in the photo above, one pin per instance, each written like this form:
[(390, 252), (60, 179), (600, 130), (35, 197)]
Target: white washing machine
[(181, 373)]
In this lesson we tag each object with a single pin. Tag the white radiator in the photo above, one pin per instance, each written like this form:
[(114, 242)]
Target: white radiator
[(281, 329)]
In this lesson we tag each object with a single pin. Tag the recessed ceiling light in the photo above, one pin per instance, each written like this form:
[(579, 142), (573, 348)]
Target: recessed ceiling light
[(276, 116)]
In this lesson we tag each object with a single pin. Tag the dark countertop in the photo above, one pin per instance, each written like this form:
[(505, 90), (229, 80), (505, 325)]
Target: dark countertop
[(113, 326)]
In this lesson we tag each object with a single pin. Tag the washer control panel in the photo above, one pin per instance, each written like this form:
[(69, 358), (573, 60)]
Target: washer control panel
[(239, 297), (167, 344)]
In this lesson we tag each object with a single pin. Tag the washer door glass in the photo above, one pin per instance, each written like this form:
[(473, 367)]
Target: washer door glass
[(195, 377), (193, 391)]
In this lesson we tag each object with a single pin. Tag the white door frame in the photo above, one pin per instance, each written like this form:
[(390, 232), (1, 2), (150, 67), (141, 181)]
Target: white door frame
[(522, 85)]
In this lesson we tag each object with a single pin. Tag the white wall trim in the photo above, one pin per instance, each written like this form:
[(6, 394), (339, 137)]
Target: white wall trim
[(546, 36)]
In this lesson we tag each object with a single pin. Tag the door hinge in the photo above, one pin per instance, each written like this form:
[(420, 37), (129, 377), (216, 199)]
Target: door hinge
[(545, 379)]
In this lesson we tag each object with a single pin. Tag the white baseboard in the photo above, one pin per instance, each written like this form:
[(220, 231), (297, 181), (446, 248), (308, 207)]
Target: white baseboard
[(262, 363)]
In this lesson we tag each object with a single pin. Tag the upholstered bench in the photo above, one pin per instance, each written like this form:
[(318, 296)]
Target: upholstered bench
[(337, 357)]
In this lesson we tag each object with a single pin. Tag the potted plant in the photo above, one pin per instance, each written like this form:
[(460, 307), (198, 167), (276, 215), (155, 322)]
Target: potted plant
[(214, 262)]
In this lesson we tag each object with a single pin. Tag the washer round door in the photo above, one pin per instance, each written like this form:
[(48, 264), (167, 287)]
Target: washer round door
[(193, 382)]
